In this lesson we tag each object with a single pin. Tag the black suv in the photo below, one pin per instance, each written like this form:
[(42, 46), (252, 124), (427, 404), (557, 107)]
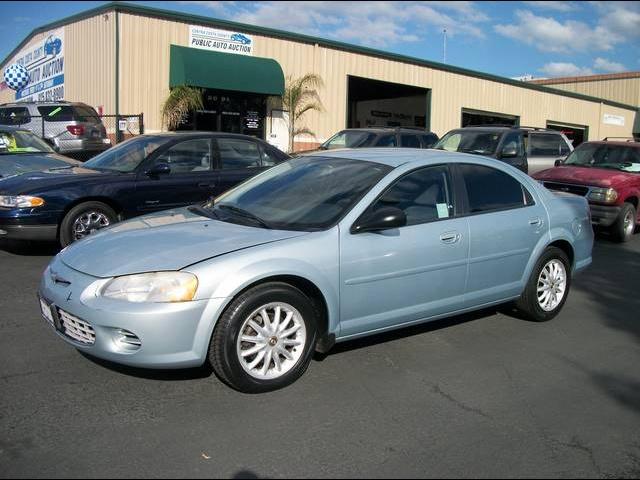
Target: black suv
[(528, 148), (407, 137)]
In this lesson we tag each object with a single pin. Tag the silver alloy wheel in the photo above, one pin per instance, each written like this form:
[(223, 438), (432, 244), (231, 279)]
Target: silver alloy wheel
[(88, 223), (552, 285), (629, 223), (271, 341)]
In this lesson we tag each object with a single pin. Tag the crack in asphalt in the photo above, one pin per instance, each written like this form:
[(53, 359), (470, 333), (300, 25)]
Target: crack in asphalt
[(436, 389)]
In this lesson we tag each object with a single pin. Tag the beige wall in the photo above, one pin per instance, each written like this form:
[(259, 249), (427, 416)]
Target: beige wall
[(623, 90), (144, 79), (89, 75)]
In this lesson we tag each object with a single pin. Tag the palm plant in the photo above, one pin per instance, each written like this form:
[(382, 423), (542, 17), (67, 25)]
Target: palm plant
[(300, 96), (181, 100)]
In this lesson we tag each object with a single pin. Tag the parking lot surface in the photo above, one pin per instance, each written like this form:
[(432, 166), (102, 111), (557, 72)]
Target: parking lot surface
[(482, 395)]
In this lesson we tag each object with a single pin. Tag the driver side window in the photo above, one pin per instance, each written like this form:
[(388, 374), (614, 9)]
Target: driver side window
[(188, 156), (424, 195)]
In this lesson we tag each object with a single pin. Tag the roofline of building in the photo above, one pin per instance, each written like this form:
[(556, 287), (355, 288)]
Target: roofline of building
[(123, 7), (587, 78)]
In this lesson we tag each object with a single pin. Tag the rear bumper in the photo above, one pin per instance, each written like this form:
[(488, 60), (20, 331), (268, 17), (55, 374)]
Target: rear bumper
[(29, 232), (83, 145), (604, 215)]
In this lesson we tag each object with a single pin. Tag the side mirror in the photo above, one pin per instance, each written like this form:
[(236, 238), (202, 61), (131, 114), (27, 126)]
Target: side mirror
[(159, 169), (509, 152), (383, 219), (559, 161)]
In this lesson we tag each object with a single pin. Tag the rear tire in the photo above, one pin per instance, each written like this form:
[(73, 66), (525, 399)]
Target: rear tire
[(548, 287), (624, 227), (252, 354), (84, 219)]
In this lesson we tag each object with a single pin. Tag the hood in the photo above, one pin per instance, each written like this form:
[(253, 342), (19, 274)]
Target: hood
[(169, 240), (597, 177), (32, 162), (52, 177)]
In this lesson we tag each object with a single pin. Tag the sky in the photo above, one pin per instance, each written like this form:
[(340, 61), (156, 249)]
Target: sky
[(542, 39)]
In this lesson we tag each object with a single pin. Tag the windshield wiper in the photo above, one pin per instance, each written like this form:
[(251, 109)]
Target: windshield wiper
[(244, 213), (61, 168), (205, 212)]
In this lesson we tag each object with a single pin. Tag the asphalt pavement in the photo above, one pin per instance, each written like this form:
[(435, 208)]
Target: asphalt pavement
[(482, 395)]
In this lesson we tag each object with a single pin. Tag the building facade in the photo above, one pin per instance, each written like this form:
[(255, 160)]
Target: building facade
[(124, 59)]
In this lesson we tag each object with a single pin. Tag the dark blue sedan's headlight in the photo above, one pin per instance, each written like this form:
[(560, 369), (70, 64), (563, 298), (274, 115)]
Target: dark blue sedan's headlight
[(20, 201)]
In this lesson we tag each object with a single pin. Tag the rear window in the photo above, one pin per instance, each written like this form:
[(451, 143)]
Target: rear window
[(68, 113), (14, 116)]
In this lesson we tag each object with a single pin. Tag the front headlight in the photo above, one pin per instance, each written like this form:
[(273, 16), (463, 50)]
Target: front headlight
[(158, 287), (20, 201), (603, 195)]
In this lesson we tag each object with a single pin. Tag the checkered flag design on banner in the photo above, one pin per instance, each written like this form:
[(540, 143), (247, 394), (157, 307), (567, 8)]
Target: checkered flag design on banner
[(16, 76)]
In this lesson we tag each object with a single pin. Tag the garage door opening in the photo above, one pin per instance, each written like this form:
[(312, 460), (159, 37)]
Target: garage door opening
[(478, 117), (372, 103), (575, 133)]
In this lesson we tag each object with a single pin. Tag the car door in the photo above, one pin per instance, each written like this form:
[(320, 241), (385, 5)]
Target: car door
[(544, 149), (513, 152), (238, 159), (505, 224), (190, 180), (407, 274)]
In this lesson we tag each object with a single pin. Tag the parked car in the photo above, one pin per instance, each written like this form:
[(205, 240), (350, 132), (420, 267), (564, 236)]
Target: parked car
[(526, 148), (142, 175), (607, 174), (69, 127), (21, 152), (320, 249), (408, 137)]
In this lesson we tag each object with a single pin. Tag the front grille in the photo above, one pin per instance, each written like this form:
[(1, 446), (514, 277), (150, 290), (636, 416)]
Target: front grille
[(567, 187), (76, 329)]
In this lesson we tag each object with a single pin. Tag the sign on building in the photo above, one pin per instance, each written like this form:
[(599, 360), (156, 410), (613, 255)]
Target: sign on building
[(613, 120), (44, 60), (220, 40)]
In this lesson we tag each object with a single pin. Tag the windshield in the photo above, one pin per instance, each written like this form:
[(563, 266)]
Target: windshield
[(348, 139), (21, 141), (126, 156), (599, 155), (307, 193), (470, 141)]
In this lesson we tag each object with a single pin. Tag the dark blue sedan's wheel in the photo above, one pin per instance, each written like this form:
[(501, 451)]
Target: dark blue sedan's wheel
[(264, 340), (85, 219)]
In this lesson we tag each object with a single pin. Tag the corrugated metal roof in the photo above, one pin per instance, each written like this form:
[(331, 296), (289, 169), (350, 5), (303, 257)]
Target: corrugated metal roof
[(588, 78)]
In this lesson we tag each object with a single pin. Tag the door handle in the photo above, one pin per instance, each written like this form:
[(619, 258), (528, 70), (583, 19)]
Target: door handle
[(535, 222), (206, 185), (450, 237)]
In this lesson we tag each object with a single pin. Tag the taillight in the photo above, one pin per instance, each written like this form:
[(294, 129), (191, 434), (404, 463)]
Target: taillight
[(75, 129)]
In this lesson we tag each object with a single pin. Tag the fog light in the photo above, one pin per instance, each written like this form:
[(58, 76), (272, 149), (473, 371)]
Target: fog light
[(126, 340)]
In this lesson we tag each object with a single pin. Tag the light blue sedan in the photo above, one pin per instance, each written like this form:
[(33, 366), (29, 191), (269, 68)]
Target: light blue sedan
[(320, 249)]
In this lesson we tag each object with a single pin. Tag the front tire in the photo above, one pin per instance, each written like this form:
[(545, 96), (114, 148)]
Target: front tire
[(264, 339), (548, 287), (84, 219), (625, 225)]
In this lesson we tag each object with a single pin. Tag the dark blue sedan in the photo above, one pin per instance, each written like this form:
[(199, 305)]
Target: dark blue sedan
[(142, 175)]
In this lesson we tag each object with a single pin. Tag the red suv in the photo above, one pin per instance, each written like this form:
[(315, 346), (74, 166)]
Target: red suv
[(608, 174)]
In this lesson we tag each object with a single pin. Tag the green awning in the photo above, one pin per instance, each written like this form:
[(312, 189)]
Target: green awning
[(225, 71)]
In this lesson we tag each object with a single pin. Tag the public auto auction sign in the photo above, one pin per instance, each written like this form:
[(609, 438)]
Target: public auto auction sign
[(220, 40), (44, 61)]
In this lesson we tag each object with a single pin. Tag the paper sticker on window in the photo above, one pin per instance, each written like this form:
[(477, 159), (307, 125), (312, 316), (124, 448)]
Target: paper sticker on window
[(443, 210)]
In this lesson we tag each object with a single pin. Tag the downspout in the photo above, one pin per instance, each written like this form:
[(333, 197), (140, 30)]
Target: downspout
[(117, 83)]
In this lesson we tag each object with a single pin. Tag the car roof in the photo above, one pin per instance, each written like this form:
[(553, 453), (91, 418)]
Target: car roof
[(197, 133), (397, 156), (9, 128), (387, 129), (620, 143)]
